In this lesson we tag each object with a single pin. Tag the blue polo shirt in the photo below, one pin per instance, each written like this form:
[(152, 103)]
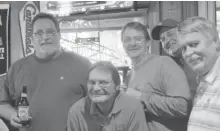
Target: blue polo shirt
[(127, 115)]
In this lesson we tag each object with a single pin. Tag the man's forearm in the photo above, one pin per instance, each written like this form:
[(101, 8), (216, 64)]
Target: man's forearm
[(159, 105), (6, 111)]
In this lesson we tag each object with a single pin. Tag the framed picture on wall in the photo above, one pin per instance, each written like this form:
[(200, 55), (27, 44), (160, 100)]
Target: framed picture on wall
[(4, 38)]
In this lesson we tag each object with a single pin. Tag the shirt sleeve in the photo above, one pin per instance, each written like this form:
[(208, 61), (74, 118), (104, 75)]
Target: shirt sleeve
[(10, 89), (4, 89), (137, 120), (72, 122), (175, 98)]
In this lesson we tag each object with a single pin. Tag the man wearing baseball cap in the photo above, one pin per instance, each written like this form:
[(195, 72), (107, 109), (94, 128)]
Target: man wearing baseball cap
[(166, 32)]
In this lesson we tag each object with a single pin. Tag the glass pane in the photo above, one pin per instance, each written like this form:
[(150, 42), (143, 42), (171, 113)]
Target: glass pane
[(104, 45)]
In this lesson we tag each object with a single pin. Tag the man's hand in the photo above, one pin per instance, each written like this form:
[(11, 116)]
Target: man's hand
[(134, 93), (123, 87), (16, 122)]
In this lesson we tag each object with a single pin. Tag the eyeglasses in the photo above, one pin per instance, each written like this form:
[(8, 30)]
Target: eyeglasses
[(136, 39), (49, 33), (101, 83)]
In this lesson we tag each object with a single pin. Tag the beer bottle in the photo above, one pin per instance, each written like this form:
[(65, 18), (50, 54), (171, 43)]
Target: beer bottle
[(23, 107)]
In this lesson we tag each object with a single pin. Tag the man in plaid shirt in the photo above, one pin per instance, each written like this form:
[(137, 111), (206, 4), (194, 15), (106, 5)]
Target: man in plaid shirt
[(200, 46)]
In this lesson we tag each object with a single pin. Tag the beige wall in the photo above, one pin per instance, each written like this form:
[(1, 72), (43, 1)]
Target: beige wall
[(207, 9)]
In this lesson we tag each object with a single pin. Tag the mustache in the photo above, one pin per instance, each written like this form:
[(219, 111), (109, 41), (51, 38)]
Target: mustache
[(47, 41), (133, 47), (193, 60), (168, 44), (99, 92)]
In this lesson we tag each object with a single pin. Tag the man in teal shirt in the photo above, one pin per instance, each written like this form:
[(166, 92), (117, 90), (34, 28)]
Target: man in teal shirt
[(157, 81), (54, 78), (106, 108)]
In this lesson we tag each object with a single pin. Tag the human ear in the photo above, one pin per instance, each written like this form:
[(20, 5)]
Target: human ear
[(148, 46), (216, 43), (118, 87)]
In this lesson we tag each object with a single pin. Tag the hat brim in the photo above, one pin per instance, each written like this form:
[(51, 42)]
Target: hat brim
[(156, 32)]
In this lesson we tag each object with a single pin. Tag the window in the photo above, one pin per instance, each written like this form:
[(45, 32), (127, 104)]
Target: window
[(103, 45)]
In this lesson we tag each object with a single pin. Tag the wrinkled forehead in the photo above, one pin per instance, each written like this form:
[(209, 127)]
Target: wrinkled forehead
[(100, 73), (44, 24), (131, 32)]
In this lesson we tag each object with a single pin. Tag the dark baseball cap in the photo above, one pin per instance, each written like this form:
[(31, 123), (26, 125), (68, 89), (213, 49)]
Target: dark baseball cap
[(169, 23)]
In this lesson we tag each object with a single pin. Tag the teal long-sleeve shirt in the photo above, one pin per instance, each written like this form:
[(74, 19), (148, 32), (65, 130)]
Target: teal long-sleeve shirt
[(165, 93)]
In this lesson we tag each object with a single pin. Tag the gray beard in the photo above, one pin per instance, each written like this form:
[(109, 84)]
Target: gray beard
[(47, 56)]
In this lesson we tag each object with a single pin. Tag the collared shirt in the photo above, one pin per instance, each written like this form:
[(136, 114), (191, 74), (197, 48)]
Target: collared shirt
[(205, 115), (127, 115)]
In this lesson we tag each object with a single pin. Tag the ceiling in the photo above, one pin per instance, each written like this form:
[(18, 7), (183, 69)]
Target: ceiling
[(75, 16), (82, 8)]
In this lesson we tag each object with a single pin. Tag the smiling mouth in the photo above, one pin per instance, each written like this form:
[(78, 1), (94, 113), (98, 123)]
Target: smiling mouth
[(133, 49), (46, 44), (97, 95), (194, 62), (170, 45)]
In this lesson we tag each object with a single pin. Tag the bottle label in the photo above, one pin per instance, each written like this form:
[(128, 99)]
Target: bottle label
[(23, 95), (23, 113)]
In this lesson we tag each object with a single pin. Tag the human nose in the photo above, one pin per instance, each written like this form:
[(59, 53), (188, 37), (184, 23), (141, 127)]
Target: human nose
[(189, 51), (132, 42), (97, 86), (45, 36)]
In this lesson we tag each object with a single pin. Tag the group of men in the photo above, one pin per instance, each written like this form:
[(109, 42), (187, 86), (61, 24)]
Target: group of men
[(67, 93)]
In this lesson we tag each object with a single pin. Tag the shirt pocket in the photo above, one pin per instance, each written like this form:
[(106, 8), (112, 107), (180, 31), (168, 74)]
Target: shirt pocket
[(119, 127)]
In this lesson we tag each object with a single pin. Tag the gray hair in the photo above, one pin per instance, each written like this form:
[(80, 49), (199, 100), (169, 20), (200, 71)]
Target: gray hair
[(137, 26), (201, 25)]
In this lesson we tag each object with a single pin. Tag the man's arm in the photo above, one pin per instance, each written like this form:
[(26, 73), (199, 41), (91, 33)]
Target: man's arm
[(173, 100), (170, 106), (7, 111), (72, 122), (176, 99), (137, 120)]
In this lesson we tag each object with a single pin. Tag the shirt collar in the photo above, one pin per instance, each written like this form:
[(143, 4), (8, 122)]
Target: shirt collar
[(117, 107), (213, 74)]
